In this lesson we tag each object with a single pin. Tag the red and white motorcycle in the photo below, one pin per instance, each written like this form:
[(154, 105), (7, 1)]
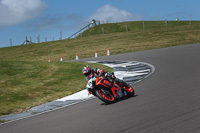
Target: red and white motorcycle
[(107, 90)]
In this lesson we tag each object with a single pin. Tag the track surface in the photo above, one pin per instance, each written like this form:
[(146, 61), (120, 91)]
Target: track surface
[(168, 101)]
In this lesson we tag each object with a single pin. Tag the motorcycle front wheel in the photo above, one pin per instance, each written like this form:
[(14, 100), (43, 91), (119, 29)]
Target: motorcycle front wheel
[(105, 96), (130, 91)]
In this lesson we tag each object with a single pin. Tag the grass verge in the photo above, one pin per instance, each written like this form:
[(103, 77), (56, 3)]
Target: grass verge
[(2, 121), (27, 84)]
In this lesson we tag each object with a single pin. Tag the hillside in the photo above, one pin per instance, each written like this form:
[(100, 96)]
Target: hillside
[(155, 35)]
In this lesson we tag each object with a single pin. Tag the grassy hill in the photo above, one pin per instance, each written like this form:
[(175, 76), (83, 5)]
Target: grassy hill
[(155, 35), (27, 79)]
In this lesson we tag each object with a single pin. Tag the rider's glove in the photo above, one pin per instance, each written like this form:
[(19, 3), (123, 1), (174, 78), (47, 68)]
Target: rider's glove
[(113, 75), (107, 74)]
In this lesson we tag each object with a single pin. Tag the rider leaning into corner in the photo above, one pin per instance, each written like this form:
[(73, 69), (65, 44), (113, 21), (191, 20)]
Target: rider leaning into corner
[(95, 72)]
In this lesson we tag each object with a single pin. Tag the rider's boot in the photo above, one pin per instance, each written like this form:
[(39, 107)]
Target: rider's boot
[(126, 86), (119, 93), (122, 84)]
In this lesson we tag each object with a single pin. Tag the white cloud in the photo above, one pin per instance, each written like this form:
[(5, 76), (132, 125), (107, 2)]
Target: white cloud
[(14, 12), (112, 13)]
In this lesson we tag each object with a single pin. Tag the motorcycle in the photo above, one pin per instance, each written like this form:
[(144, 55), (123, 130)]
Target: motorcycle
[(107, 90)]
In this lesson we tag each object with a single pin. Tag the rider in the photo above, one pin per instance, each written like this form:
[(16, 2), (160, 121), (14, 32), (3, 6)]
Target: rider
[(89, 73)]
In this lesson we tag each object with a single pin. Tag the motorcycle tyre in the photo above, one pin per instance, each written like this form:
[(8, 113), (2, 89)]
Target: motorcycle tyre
[(130, 94), (103, 98)]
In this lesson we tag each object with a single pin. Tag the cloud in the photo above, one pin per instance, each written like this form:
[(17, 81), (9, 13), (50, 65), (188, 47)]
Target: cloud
[(112, 13), (13, 12)]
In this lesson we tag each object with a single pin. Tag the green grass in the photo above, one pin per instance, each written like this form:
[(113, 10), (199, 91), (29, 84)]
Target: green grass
[(27, 79), (2, 121), (156, 35), (27, 84)]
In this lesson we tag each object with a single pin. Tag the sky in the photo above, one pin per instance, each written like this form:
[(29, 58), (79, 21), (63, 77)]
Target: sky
[(47, 18)]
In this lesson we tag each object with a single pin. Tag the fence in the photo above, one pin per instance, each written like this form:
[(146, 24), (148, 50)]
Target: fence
[(94, 22), (79, 32)]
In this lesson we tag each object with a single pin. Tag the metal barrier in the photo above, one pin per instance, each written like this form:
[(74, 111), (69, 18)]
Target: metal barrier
[(93, 23)]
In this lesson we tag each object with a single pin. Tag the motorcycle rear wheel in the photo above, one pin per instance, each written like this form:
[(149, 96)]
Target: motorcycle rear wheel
[(105, 96)]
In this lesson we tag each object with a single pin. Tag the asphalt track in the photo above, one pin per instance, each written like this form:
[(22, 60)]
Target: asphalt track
[(167, 102)]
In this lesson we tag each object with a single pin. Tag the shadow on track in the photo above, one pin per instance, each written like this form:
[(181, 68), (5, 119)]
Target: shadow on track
[(119, 100)]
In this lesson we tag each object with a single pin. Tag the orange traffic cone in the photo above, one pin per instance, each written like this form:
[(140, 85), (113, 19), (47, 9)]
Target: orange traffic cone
[(96, 55), (76, 56), (61, 59), (108, 52)]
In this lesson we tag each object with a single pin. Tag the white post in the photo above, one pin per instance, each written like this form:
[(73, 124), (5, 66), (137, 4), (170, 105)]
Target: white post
[(108, 52), (126, 27), (96, 55), (10, 42), (166, 22), (38, 38), (76, 56), (61, 35), (143, 26)]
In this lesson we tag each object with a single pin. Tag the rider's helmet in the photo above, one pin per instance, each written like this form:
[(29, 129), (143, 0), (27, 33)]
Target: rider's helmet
[(86, 70)]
